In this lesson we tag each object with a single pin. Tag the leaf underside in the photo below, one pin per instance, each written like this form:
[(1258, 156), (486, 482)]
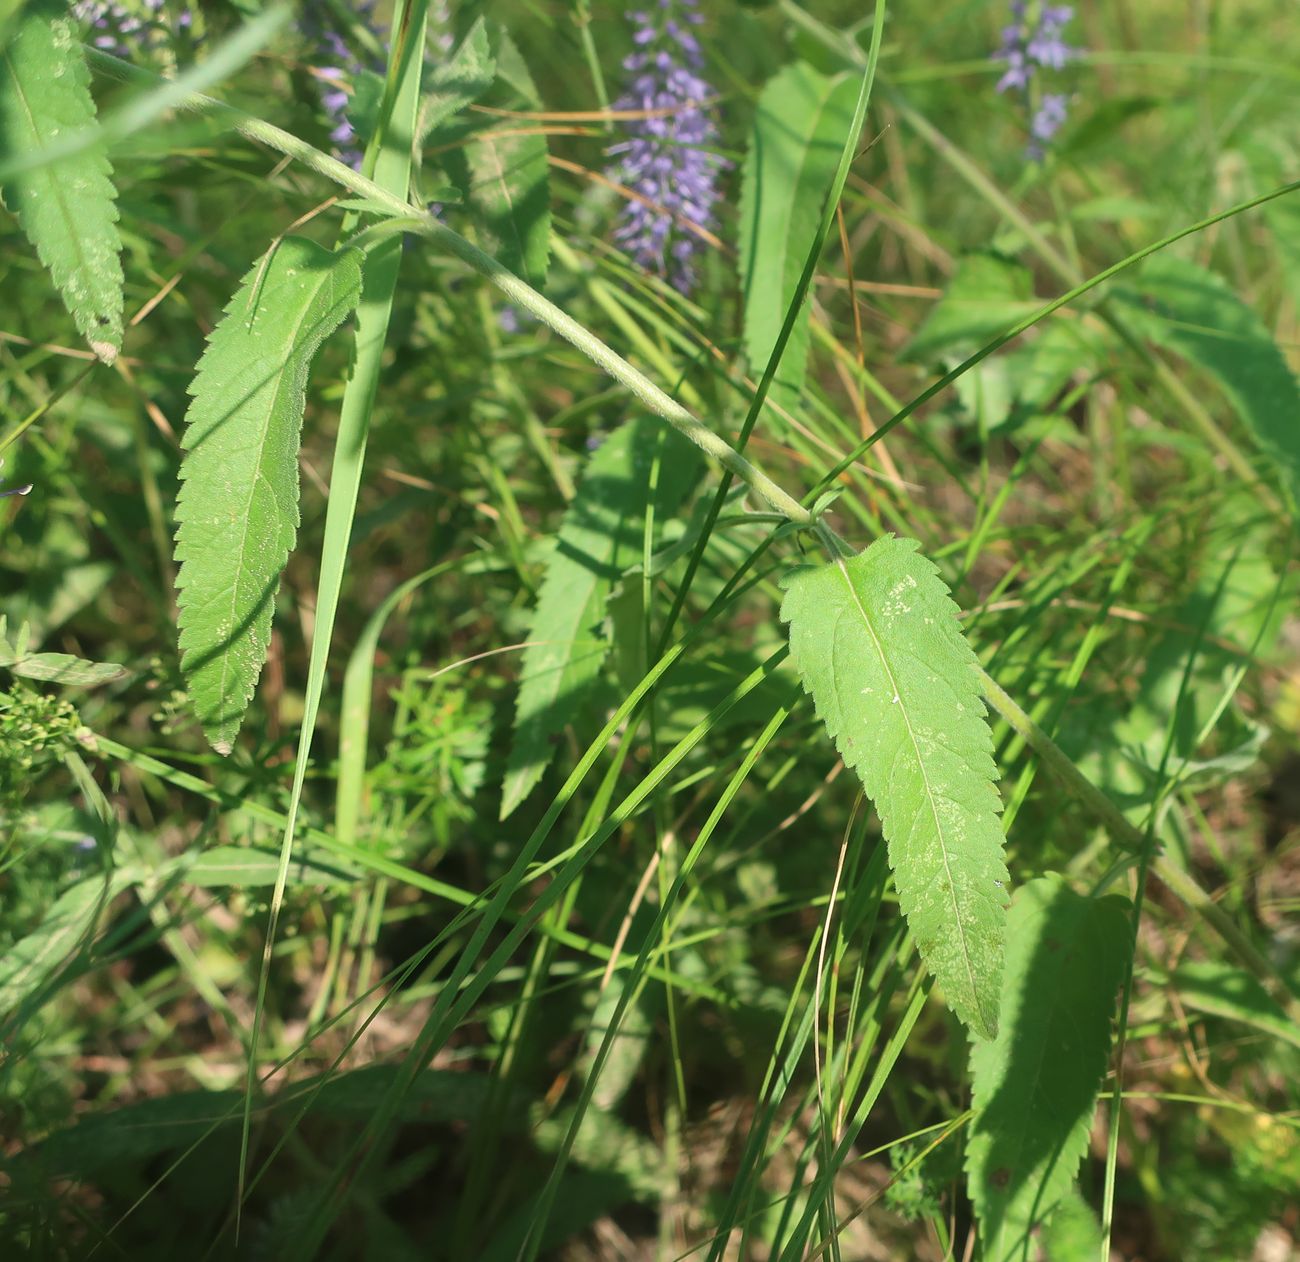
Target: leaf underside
[(794, 149), (67, 209), (1035, 1085), (1194, 314), (601, 536), (237, 511), (876, 641)]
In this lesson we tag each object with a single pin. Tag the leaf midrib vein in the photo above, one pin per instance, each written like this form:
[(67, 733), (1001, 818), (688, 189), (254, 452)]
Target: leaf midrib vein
[(925, 778)]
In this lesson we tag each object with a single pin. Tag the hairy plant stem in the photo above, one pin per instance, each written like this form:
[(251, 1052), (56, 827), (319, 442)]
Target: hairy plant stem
[(420, 222), (408, 218)]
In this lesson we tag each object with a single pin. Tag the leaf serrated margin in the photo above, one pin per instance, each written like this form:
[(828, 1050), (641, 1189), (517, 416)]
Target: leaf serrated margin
[(877, 644), (68, 208), (237, 511), (1035, 1086)]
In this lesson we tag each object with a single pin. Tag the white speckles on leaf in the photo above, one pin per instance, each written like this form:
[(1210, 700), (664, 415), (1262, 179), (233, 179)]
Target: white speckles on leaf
[(925, 759)]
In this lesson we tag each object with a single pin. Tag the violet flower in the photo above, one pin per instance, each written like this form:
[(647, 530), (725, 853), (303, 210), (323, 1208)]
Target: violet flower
[(1032, 43), (139, 31), (336, 62), (667, 161)]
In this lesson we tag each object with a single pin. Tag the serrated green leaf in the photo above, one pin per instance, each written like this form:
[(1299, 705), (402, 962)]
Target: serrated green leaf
[(1072, 1233), (1194, 313), (237, 511), (457, 82), (601, 535), (794, 148), (67, 208), (1034, 1087), (876, 641)]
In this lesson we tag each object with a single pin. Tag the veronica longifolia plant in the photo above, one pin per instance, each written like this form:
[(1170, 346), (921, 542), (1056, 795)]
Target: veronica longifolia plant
[(667, 162)]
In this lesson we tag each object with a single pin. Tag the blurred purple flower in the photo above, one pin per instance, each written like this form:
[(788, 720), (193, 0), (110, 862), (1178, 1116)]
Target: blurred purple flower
[(139, 30), (1032, 43), (336, 63), (667, 161)]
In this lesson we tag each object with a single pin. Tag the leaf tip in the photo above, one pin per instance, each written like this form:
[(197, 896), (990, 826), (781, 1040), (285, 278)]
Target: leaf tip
[(105, 352)]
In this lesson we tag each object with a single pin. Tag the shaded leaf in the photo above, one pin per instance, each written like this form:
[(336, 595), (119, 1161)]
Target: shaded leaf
[(1194, 313), (455, 83), (67, 208), (799, 132), (509, 194), (877, 644), (986, 296), (67, 928), (221, 866), (1034, 1087), (1223, 990), (601, 535), (238, 505)]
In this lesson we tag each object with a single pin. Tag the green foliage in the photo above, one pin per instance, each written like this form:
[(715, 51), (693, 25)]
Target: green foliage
[(876, 641), (603, 534), (1034, 1087), (67, 207), (799, 131), (457, 82), (1221, 990), (506, 179), (238, 508), (54, 668), (1193, 313)]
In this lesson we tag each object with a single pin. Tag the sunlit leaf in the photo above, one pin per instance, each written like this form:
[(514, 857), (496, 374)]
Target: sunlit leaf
[(238, 506), (799, 132), (67, 208), (876, 640)]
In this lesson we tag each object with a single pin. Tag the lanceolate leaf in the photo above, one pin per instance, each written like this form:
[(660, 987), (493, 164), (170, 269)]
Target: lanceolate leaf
[(238, 506), (1193, 313), (803, 118), (1035, 1085), (876, 641), (602, 535), (66, 208)]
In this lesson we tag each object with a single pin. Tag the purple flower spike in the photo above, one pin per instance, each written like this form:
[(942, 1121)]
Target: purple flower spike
[(136, 32), (1031, 43), (668, 159)]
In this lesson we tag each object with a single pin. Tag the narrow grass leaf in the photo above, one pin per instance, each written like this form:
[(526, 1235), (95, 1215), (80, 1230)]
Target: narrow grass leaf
[(876, 641), (67, 209), (794, 148), (600, 537), (220, 867), (238, 505), (1195, 314), (1035, 1085)]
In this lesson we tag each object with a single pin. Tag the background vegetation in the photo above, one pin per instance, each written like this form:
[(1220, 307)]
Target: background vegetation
[(669, 1006)]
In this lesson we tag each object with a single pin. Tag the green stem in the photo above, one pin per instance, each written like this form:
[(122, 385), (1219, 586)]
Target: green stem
[(520, 293)]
